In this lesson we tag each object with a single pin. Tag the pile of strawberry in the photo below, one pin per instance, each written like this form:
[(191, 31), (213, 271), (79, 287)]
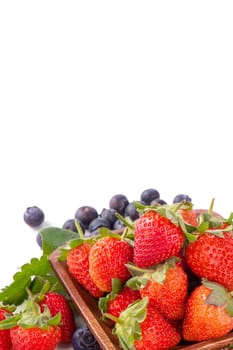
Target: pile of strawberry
[(167, 279)]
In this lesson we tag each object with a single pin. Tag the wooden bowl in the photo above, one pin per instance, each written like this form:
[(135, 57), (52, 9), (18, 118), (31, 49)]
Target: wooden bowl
[(87, 307)]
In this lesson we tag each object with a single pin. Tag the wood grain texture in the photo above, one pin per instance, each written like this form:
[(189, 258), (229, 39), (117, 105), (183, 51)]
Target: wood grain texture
[(87, 307)]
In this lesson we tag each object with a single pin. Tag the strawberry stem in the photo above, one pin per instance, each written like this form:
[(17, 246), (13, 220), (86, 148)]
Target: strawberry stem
[(211, 206), (111, 317), (79, 229)]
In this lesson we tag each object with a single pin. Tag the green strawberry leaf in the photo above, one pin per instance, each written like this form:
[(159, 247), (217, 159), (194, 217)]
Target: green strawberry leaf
[(190, 237), (219, 296), (230, 219), (35, 273), (54, 237), (103, 301), (127, 327), (15, 293), (9, 322), (137, 282), (126, 221)]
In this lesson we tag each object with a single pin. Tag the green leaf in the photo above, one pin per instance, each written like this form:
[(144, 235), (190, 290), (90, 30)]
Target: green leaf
[(9, 322), (219, 296), (15, 293), (190, 237), (54, 237), (127, 327), (103, 301), (137, 282), (55, 319)]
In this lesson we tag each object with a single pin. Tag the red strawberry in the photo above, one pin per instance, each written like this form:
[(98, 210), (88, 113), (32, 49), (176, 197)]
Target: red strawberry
[(107, 260), (78, 266), (168, 294), (209, 313), (192, 216), (33, 329), (58, 303), (35, 338), (157, 333), (122, 300), (142, 327), (118, 300), (5, 340), (156, 238), (211, 257), (189, 216), (166, 287)]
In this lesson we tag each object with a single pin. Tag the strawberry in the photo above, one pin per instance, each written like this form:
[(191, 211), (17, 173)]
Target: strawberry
[(118, 299), (166, 286), (78, 266), (189, 216), (58, 303), (35, 338), (5, 340), (193, 216), (107, 260), (32, 329), (210, 256), (142, 327), (122, 300), (156, 238), (209, 313)]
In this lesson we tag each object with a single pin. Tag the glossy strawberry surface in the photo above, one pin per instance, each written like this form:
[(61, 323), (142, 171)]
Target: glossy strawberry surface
[(58, 303), (204, 321), (107, 260), (156, 239), (78, 266), (170, 296), (211, 257), (35, 338), (122, 300), (157, 333), (5, 340)]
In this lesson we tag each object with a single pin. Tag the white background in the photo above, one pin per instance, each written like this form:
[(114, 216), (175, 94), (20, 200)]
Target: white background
[(106, 97)]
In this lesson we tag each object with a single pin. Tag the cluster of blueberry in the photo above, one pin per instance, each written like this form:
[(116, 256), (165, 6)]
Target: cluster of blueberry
[(90, 220)]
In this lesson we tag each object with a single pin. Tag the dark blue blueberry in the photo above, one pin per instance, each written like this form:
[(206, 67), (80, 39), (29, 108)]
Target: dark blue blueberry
[(86, 214), (158, 201), (181, 197), (119, 202), (109, 214), (33, 216), (83, 339), (70, 225), (97, 223), (39, 240), (131, 211), (148, 195), (118, 224)]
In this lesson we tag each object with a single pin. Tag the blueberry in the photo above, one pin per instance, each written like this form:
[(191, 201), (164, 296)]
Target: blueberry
[(86, 214), (39, 240), (109, 214), (83, 339), (158, 201), (119, 202), (149, 195), (97, 223), (33, 216), (131, 211), (181, 197), (70, 225), (118, 224)]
